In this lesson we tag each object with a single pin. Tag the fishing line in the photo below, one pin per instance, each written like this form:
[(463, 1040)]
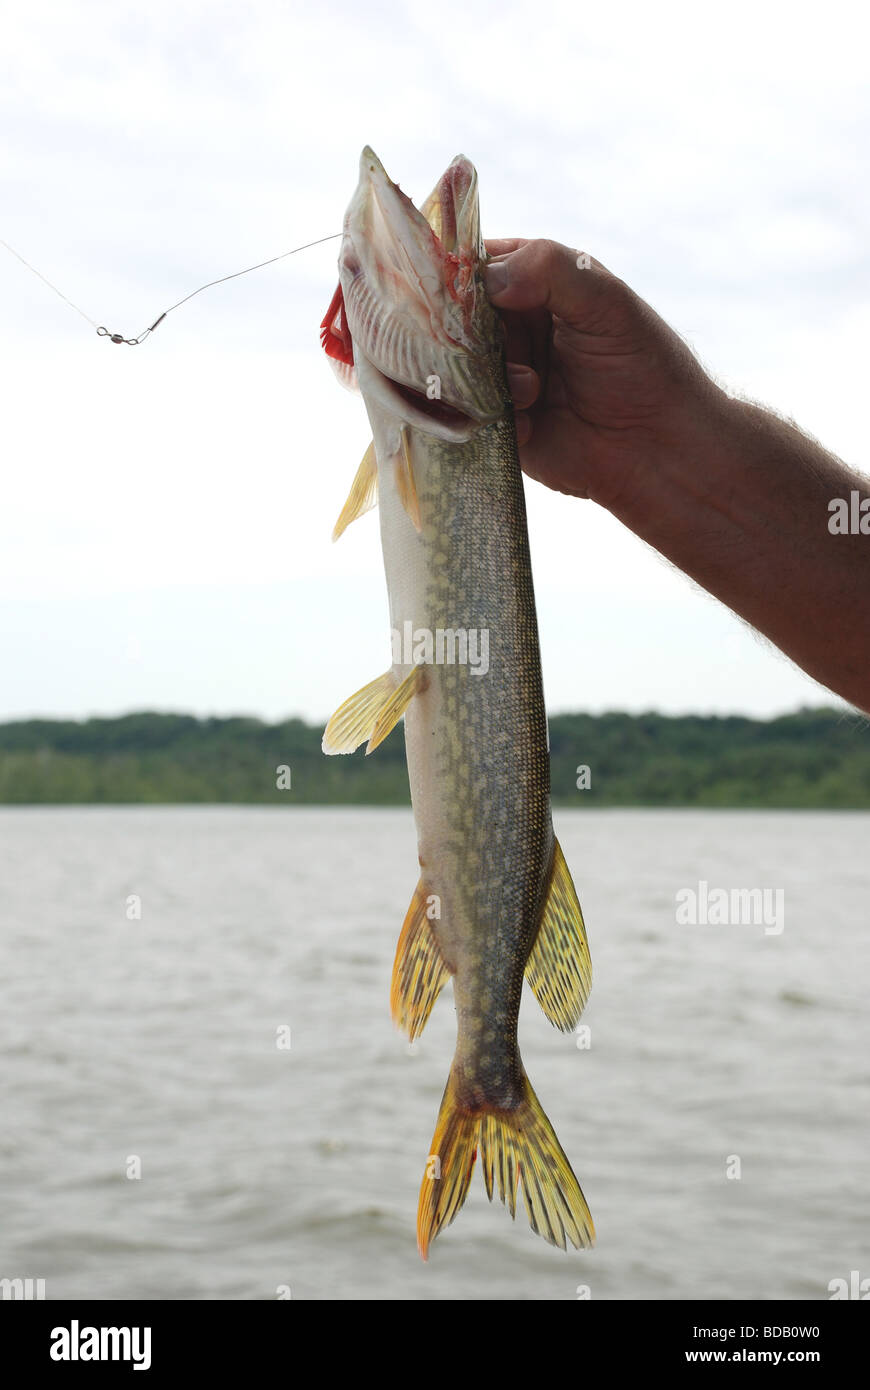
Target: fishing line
[(134, 342)]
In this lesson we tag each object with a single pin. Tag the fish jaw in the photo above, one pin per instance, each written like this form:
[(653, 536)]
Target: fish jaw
[(414, 318)]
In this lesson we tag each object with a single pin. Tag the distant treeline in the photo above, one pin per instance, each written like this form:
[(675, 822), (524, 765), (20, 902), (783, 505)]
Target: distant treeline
[(815, 758)]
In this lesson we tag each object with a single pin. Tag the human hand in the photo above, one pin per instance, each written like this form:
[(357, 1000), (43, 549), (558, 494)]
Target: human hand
[(602, 386)]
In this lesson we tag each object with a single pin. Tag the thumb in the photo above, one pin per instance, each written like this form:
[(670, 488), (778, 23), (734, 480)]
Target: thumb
[(546, 275)]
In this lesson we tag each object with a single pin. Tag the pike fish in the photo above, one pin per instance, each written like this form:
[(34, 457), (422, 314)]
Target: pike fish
[(411, 326)]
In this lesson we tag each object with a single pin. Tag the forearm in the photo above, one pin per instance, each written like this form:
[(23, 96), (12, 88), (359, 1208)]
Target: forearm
[(745, 512)]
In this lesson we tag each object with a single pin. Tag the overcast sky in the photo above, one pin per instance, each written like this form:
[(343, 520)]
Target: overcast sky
[(167, 509)]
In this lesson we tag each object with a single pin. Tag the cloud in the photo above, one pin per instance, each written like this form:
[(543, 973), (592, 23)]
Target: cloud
[(711, 158)]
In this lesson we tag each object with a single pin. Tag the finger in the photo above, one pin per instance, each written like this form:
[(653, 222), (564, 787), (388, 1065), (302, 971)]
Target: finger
[(523, 424), (546, 275), (518, 338), (503, 246), (525, 385), (527, 339)]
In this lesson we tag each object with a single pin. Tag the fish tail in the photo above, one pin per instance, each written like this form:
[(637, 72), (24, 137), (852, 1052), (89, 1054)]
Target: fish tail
[(518, 1148)]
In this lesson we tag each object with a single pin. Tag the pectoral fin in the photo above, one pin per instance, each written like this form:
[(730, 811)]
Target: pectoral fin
[(363, 493), (405, 483), (371, 713), (419, 970), (559, 969)]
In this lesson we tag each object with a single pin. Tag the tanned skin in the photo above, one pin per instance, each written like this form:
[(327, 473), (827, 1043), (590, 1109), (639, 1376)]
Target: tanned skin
[(613, 406)]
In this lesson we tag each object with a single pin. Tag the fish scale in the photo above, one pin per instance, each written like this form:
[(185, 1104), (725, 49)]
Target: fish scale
[(492, 869)]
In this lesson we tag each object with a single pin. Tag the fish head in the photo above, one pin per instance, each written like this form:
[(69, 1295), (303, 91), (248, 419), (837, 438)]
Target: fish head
[(411, 314)]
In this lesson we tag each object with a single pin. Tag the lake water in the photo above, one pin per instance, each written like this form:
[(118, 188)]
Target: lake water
[(154, 1038)]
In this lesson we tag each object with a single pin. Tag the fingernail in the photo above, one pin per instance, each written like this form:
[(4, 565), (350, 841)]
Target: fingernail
[(496, 278)]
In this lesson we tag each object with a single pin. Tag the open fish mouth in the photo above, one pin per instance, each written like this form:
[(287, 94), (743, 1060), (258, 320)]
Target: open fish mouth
[(410, 313), (453, 211)]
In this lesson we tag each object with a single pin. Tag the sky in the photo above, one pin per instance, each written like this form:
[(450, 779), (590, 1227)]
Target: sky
[(165, 533)]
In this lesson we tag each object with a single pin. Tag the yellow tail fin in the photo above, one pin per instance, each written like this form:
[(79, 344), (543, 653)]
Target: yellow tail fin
[(518, 1147)]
